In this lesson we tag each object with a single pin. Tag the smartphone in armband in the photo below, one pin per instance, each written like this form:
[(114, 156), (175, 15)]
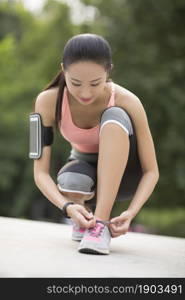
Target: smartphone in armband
[(35, 139)]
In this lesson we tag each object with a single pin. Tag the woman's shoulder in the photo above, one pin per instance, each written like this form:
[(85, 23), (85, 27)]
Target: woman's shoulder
[(123, 96), (48, 96), (127, 100), (45, 105)]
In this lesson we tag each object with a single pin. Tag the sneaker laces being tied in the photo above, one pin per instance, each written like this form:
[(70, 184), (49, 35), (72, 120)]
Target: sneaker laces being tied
[(97, 230)]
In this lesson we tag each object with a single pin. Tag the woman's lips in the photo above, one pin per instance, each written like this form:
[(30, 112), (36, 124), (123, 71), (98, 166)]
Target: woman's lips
[(85, 100)]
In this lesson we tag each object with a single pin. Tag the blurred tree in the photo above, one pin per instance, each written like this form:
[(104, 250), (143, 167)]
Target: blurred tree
[(29, 59), (147, 38)]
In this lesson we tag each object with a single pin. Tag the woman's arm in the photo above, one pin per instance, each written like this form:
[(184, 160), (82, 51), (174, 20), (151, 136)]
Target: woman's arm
[(149, 166), (147, 158), (45, 106)]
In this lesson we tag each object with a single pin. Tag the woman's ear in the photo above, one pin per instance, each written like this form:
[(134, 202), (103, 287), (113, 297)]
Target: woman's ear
[(62, 66)]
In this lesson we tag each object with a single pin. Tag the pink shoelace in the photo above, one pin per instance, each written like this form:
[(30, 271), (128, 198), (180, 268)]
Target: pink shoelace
[(97, 230)]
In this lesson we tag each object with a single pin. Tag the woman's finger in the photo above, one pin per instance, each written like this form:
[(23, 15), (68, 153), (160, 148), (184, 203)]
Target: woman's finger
[(85, 213), (91, 223), (113, 227), (116, 231), (113, 234), (84, 222)]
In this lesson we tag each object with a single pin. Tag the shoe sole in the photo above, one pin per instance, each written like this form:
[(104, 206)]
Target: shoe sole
[(76, 239), (93, 251)]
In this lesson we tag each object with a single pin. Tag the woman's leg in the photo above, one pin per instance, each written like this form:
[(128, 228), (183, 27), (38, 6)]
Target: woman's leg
[(113, 156)]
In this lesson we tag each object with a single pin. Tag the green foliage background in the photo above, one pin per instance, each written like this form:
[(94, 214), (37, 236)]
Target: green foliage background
[(148, 44)]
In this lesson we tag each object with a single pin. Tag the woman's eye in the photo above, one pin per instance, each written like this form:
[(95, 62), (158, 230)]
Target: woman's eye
[(75, 84), (80, 84), (95, 84)]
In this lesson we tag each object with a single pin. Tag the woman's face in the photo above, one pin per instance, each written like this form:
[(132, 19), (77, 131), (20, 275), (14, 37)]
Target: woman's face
[(86, 81)]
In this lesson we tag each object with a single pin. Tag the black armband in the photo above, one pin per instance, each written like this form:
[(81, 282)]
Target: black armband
[(40, 136)]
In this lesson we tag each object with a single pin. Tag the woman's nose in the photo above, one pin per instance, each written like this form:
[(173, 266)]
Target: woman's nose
[(86, 94)]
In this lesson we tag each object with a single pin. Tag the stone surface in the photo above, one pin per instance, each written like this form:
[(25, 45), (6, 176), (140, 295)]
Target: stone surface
[(43, 249)]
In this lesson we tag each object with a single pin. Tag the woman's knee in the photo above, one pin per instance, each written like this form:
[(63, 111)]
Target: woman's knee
[(76, 180), (116, 115)]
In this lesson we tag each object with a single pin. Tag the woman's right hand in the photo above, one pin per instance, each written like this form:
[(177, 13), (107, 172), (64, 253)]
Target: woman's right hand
[(81, 216)]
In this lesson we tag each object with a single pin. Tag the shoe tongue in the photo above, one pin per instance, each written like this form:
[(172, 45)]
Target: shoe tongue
[(97, 229)]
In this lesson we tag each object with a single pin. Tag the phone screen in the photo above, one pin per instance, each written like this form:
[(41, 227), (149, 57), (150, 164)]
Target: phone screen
[(34, 150)]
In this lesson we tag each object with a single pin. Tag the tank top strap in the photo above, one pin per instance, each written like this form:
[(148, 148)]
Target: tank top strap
[(112, 87)]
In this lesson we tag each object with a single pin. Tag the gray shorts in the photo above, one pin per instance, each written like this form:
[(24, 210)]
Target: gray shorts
[(79, 174)]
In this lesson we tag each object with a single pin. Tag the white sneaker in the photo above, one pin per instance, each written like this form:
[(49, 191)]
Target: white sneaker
[(77, 232), (96, 240)]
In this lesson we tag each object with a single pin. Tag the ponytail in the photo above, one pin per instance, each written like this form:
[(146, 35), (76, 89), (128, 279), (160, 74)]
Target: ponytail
[(58, 80)]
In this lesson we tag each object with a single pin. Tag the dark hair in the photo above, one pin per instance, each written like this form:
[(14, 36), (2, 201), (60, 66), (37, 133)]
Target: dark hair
[(81, 47)]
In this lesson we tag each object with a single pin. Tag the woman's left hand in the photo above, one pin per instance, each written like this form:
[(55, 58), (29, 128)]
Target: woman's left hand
[(120, 224)]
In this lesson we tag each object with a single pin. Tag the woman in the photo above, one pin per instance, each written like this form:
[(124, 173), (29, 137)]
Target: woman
[(112, 146)]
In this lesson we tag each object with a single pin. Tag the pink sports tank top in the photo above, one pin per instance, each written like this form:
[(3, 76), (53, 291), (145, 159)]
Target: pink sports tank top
[(84, 140)]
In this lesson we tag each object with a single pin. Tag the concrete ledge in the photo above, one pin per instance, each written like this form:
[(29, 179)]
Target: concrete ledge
[(42, 249)]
